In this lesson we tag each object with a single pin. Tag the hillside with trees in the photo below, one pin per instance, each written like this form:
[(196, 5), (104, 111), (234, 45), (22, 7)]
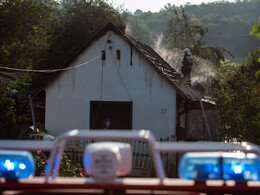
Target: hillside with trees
[(228, 24)]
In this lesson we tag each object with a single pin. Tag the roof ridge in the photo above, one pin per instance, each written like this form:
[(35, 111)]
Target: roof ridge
[(152, 57)]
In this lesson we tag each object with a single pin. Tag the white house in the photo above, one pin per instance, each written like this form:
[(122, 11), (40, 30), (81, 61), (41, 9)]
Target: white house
[(116, 82)]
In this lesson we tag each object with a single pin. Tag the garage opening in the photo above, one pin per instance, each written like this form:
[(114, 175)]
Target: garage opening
[(110, 115)]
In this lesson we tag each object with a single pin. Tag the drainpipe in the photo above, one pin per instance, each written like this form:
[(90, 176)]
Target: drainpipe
[(205, 117), (33, 114)]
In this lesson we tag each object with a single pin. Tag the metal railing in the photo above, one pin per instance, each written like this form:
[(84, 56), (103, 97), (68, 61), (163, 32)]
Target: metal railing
[(142, 135), (142, 156), (57, 148)]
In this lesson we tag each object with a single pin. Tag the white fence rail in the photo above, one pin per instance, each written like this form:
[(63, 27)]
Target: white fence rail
[(142, 156)]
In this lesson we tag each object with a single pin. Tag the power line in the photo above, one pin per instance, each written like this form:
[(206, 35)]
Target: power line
[(120, 76), (48, 70), (229, 35)]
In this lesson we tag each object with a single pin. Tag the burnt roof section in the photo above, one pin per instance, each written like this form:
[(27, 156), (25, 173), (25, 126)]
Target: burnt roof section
[(153, 58), (186, 91)]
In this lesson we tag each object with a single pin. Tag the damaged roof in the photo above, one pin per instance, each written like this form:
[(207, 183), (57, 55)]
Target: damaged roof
[(187, 92)]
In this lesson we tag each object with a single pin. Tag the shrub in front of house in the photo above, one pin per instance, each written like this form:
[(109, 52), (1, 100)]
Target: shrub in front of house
[(67, 169)]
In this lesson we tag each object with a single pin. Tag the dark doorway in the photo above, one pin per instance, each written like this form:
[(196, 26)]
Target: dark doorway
[(110, 115)]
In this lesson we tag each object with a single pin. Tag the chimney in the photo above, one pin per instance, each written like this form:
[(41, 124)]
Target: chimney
[(121, 28)]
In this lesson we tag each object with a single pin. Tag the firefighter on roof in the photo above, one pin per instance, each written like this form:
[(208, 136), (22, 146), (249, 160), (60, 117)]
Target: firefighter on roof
[(187, 66)]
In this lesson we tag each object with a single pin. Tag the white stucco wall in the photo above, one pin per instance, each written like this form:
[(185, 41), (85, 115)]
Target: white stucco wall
[(68, 96)]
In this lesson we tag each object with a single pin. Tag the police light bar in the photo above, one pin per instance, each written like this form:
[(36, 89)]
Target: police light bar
[(220, 165), (106, 160), (16, 164)]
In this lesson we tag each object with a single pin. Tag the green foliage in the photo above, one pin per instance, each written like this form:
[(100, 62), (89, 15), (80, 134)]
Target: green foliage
[(141, 32), (156, 22), (227, 23), (23, 86), (11, 124), (183, 33), (45, 34), (67, 169), (41, 35), (213, 54), (78, 22), (256, 29), (257, 72), (25, 31), (226, 68), (238, 100), (138, 12), (230, 33)]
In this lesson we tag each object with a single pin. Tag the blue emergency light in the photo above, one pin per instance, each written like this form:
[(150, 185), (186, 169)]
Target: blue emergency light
[(16, 164), (216, 165)]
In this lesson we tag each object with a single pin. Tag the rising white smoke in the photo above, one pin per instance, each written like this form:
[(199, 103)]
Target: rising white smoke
[(173, 57), (202, 71), (128, 30)]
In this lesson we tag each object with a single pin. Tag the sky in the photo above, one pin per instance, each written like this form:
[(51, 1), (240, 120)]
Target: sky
[(154, 5)]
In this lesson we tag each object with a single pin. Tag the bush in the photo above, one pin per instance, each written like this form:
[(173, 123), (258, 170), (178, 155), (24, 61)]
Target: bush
[(238, 100), (67, 169), (11, 124)]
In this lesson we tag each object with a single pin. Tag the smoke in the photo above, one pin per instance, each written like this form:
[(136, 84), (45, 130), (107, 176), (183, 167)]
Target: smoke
[(202, 70), (128, 28), (174, 57)]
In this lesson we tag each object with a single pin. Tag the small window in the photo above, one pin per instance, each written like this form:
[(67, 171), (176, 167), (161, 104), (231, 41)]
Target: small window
[(103, 55), (118, 54)]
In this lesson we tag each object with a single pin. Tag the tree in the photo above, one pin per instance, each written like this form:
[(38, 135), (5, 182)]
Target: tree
[(38, 34), (182, 33), (228, 23), (78, 22), (238, 100), (11, 123), (256, 29), (141, 32), (26, 34), (25, 31), (138, 12)]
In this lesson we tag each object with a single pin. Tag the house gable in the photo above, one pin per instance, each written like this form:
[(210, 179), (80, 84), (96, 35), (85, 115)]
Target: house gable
[(163, 68), (114, 67), (128, 78)]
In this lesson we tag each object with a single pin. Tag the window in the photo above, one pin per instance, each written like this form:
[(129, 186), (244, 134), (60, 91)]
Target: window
[(103, 55), (118, 54), (110, 115)]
